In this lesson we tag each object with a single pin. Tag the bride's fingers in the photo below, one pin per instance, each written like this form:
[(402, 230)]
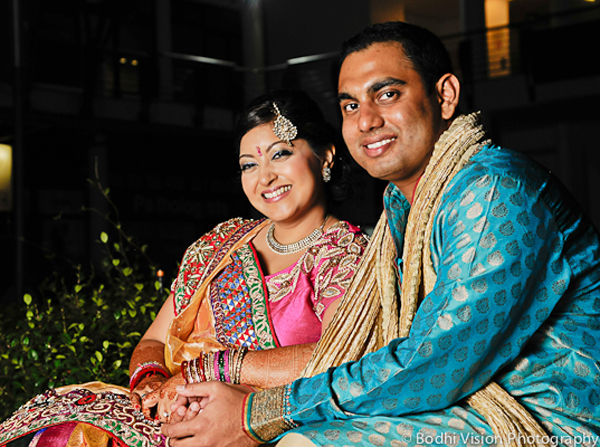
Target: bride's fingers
[(136, 401), (149, 401)]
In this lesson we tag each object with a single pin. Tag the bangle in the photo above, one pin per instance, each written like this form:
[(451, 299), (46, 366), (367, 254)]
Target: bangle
[(193, 370), (199, 370), (226, 371), (215, 363), (236, 374), (206, 366), (194, 373), (144, 370), (223, 366), (184, 371), (220, 356)]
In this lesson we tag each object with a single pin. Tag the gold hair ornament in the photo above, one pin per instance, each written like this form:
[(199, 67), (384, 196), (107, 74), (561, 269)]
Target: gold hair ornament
[(283, 127)]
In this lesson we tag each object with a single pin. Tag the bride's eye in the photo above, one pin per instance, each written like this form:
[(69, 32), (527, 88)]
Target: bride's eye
[(281, 153), (247, 166)]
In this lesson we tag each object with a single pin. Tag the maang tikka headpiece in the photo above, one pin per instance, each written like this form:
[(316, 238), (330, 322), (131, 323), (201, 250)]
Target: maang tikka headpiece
[(283, 127)]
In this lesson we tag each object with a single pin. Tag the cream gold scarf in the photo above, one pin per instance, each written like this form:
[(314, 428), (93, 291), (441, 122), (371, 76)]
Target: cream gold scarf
[(368, 317)]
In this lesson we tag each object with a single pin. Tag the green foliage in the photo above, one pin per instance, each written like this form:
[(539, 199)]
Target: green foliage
[(83, 326)]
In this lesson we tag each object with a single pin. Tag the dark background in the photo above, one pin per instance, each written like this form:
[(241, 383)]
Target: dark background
[(115, 90)]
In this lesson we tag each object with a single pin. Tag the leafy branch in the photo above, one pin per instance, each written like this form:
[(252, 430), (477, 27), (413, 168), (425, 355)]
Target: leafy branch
[(79, 327)]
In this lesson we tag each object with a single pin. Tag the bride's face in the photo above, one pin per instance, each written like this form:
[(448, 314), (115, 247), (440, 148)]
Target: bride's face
[(282, 182)]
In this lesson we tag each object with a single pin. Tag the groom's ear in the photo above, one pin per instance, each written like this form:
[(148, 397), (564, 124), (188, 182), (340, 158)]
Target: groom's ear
[(448, 91)]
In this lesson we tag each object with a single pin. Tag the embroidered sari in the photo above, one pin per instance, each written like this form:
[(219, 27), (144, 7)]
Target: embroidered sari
[(221, 299)]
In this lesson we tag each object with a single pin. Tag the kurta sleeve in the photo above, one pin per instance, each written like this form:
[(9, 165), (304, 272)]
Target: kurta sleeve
[(499, 256)]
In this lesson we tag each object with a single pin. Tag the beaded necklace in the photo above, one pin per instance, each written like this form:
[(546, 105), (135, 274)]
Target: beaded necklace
[(294, 247)]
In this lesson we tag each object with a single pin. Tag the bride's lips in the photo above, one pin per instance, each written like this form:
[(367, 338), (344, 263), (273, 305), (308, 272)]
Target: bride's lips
[(375, 146), (275, 194)]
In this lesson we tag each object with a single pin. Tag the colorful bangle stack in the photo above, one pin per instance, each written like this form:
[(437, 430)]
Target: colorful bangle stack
[(192, 371), (223, 366), (144, 370)]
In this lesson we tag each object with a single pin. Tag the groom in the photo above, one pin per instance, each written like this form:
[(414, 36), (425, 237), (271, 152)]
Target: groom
[(499, 275)]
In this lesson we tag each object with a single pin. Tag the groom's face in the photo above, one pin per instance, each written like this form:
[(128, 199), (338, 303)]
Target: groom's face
[(391, 123)]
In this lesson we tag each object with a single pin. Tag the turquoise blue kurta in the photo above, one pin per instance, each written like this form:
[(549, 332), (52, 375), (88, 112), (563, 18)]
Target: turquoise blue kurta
[(517, 300)]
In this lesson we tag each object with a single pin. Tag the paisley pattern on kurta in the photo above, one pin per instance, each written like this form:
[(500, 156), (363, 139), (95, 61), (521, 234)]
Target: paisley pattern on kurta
[(517, 300)]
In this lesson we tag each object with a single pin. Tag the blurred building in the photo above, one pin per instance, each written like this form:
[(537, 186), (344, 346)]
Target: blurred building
[(141, 97)]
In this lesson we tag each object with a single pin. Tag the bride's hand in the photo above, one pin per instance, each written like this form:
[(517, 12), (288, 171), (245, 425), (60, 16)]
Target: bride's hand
[(145, 387), (162, 398)]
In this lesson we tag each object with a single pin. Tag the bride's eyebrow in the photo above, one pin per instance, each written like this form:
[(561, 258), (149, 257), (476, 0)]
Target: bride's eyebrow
[(271, 146)]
